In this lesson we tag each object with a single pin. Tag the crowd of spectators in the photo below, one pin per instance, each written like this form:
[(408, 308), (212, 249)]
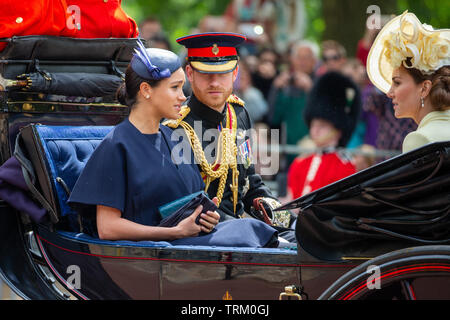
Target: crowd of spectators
[(278, 69)]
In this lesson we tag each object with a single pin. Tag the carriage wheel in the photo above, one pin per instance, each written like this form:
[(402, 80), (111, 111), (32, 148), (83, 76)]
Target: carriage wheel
[(407, 274)]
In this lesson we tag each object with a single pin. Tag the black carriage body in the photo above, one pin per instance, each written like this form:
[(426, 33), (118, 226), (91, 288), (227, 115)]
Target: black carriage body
[(146, 269), (46, 55), (45, 261), (20, 108)]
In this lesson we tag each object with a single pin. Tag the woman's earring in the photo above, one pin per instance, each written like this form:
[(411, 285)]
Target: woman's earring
[(422, 102), (147, 97)]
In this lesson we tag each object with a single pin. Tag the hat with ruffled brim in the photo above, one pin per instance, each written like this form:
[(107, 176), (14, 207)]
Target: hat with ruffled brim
[(406, 37)]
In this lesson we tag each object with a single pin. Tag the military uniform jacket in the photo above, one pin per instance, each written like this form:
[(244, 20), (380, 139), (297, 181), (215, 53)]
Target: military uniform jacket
[(309, 173), (207, 124)]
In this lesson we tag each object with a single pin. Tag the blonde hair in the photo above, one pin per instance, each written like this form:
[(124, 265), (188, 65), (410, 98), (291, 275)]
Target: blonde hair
[(334, 45)]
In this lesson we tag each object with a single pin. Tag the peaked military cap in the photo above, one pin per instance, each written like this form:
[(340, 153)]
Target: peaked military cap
[(213, 52)]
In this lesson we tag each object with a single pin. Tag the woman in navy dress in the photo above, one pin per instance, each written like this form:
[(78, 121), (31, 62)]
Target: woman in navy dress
[(131, 173)]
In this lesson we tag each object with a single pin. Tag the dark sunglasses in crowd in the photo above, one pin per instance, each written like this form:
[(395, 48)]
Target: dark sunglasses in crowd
[(331, 57)]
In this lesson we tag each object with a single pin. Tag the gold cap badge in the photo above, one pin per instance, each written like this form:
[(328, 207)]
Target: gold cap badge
[(215, 49)]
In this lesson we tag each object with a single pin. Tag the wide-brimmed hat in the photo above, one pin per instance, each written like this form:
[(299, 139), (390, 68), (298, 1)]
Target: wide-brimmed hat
[(406, 37), (213, 52)]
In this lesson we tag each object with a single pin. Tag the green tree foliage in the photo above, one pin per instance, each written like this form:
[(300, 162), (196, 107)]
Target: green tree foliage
[(433, 12), (345, 20), (316, 22), (178, 17), (341, 20)]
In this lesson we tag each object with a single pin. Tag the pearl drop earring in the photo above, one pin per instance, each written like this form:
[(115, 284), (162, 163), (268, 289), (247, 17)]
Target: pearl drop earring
[(147, 96), (422, 102)]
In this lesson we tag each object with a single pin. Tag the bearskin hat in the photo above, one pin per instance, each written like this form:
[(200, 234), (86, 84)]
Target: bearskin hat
[(335, 98)]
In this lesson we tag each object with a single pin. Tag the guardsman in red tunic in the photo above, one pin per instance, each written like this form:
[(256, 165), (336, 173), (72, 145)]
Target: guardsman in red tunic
[(66, 18), (331, 115)]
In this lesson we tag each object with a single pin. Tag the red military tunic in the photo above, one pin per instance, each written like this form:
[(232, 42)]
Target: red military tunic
[(316, 171), (34, 17), (103, 19), (67, 18)]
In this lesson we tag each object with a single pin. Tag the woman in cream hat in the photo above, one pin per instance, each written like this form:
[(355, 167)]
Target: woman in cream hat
[(410, 62)]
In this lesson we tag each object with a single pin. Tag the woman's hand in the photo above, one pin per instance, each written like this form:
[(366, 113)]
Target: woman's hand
[(187, 227), (209, 219)]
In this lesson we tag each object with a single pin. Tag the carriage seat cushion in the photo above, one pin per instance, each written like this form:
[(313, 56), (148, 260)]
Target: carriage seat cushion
[(67, 149), (85, 238)]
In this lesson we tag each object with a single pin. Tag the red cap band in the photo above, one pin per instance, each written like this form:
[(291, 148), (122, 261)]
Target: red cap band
[(211, 52)]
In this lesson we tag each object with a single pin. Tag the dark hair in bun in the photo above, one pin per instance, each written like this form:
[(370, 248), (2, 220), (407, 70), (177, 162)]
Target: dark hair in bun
[(440, 88), (440, 91), (127, 92), (150, 65)]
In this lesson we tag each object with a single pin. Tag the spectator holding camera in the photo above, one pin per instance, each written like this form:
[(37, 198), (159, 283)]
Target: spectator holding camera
[(334, 57), (289, 91), (266, 70)]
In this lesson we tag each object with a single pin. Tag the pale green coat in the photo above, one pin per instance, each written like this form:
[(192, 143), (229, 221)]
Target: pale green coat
[(434, 127)]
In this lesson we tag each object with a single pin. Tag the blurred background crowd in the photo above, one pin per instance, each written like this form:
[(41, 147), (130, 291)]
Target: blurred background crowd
[(292, 43)]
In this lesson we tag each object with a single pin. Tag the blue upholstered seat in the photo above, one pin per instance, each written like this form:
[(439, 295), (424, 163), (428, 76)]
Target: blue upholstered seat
[(67, 149), (164, 244)]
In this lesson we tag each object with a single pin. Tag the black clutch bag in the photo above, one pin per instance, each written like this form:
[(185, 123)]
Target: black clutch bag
[(191, 202)]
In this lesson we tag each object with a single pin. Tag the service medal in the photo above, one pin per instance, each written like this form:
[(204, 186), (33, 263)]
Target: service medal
[(245, 151)]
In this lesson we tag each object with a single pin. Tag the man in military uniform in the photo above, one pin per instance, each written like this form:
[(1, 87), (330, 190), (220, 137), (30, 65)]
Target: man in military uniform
[(217, 126)]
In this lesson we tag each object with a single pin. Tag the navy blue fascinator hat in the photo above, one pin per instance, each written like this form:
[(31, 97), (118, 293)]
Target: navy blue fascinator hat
[(154, 63)]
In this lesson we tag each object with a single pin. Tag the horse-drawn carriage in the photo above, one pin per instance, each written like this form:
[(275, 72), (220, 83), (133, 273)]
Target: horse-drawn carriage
[(381, 233)]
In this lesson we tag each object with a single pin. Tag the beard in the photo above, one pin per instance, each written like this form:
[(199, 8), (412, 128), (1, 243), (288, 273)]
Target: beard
[(213, 97)]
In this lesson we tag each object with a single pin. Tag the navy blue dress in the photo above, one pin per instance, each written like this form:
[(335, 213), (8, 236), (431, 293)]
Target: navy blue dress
[(135, 173)]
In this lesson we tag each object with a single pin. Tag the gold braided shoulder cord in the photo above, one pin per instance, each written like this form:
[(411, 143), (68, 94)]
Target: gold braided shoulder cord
[(226, 156), (226, 150)]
